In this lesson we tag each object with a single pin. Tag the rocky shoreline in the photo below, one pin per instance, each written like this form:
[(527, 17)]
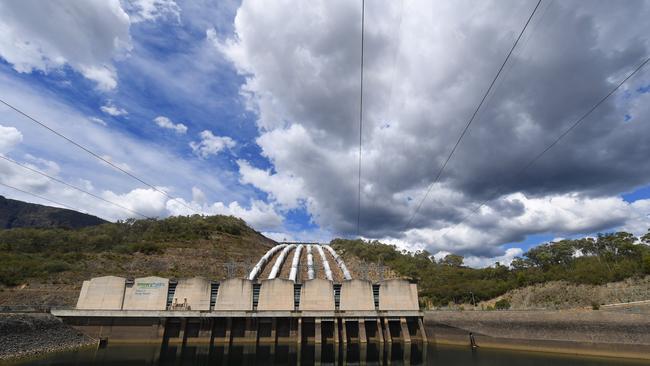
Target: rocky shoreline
[(24, 335)]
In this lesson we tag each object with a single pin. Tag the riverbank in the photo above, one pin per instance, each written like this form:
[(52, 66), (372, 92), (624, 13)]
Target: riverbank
[(24, 335), (592, 333)]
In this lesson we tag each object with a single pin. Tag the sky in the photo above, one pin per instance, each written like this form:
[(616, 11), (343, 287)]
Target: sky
[(251, 109)]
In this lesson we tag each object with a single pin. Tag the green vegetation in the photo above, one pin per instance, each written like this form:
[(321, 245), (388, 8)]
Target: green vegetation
[(606, 258), (40, 252)]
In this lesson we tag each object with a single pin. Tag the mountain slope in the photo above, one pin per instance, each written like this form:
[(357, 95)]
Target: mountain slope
[(18, 214)]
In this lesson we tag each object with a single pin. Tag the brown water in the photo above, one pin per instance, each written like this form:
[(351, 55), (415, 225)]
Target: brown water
[(372, 354)]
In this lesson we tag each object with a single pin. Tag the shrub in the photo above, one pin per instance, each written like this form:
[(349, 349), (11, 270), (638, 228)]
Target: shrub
[(502, 304), (595, 305)]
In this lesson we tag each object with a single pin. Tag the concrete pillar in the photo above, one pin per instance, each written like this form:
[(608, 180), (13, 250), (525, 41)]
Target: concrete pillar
[(274, 329), (205, 330), (387, 336), (423, 333), (380, 332), (362, 331), (319, 332), (251, 330), (344, 331), (336, 332), (228, 330), (299, 331), (406, 337), (162, 324), (182, 334)]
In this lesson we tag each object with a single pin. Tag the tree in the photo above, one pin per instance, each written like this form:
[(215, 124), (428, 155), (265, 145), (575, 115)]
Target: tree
[(453, 260)]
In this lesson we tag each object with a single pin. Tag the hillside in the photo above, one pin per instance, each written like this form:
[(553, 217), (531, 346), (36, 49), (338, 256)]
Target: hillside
[(46, 266), (566, 295), (18, 214), (608, 258)]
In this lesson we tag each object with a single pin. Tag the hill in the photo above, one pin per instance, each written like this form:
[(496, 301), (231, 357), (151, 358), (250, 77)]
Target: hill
[(46, 266), (589, 261), (18, 214)]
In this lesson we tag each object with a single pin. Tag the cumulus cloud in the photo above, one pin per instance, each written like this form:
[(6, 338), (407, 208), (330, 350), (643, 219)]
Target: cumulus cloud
[(111, 109), (211, 144), (164, 122), (86, 36), (9, 137), (420, 88), (260, 215), (287, 191)]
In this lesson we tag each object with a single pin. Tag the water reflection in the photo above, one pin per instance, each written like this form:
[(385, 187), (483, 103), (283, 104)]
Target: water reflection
[(309, 354)]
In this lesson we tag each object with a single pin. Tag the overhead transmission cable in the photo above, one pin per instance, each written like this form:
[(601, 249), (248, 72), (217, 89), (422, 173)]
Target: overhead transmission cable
[(555, 142), (363, 12), (41, 197), (24, 166), (97, 156), (469, 122)]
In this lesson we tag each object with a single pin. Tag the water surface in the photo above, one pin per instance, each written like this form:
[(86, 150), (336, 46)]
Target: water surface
[(327, 354)]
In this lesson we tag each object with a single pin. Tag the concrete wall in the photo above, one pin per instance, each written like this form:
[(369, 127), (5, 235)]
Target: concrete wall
[(596, 333), (276, 294), (317, 294), (235, 294), (398, 295), (196, 291), (102, 293), (147, 293), (356, 295)]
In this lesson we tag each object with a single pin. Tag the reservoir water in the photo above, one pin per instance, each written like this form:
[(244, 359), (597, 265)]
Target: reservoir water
[(327, 354)]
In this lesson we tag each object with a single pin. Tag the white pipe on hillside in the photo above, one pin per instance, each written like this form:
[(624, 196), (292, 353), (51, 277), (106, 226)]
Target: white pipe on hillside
[(278, 262), (326, 264), (310, 264), (265, 258), (339, 261), (294, 263)]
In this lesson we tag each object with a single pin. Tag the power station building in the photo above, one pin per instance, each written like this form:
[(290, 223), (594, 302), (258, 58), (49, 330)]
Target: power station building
[(274, 309)]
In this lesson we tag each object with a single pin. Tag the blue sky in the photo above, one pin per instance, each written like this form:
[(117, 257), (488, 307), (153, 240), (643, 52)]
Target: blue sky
[(251, 109)]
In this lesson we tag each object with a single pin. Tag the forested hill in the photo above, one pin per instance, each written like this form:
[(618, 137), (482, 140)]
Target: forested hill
[(181, 246), (18, 214), (591, 261)]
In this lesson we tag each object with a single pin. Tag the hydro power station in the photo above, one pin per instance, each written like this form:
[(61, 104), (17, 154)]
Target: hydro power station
[(279, 301)]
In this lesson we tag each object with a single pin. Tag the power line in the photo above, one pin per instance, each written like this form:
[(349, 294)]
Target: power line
[(72, 186), (464, 131), (41, 197), (555, 142), (363, 12), (97, 156)]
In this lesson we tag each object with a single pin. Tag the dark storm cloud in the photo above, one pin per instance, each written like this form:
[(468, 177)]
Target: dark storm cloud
[(423, 78)]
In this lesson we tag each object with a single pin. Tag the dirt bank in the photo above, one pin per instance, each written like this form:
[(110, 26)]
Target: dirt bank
[(31, 334), (597, 333), (558, 295)]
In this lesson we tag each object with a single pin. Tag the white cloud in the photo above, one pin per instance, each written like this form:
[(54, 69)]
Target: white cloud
[(150, 10), (211, 144), (86, 35), (152, 162), (110, 109), (121, 165), (504, 260), (98, 121), (260, 215), (164, 122), (303, 87), (9, 137), (286, 190)]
